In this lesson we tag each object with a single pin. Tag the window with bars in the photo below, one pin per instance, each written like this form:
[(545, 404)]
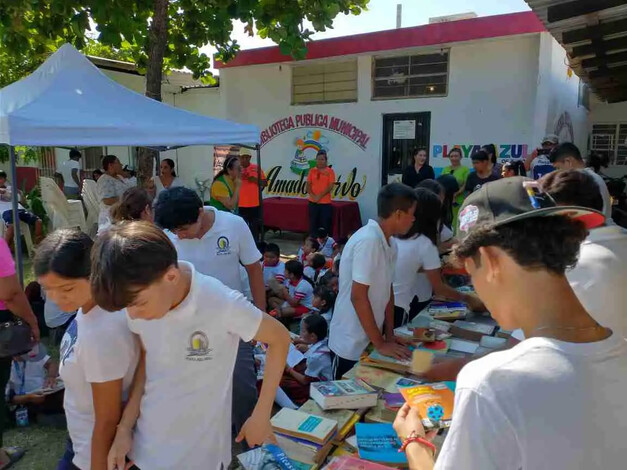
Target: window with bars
[(411, 76), (610, 139), (333, 82)]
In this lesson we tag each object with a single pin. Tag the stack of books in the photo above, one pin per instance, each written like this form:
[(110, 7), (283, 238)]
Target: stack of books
[(304, 437), (471, 330), (373, 376), (345, 419), (343, 394), (269, 457), (376, 359)]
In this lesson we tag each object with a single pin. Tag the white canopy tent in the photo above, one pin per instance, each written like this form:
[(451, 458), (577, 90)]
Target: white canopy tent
[(68, 101)]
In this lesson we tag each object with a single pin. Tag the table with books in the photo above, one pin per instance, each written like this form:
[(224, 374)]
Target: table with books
[(347, 424)]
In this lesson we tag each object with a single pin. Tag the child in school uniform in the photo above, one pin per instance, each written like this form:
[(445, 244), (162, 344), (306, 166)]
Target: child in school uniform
[(317, 364), (365, 300), (296, 296), (310, 245), (331, 281), (273, 267), (323, 302), (317, 267), (327, 244)]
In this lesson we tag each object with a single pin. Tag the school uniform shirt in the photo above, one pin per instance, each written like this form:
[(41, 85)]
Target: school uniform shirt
[(542, 405), (327, 316), (185, 419), (97, 347), (368, 259), (314, 274), (274, 272), (318, 360), (220, 251), (414, 254), (327, 248), (301, 291), (423, 288)]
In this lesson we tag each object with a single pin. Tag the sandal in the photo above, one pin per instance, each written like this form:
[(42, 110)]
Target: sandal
[(14, 453)]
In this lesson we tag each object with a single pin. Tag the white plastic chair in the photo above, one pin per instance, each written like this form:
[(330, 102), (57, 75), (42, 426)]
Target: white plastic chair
[(90, 199), (25, 231), (62, 213)]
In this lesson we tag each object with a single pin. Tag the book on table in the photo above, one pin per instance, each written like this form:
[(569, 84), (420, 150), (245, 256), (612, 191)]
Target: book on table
[(379, 443), (470, 330), (380, 414), (304, 451), (269, 457), (346, 419), (376, 359), (434, 403), (343, 394), (306, 426), (448, 310), (373, 376), (350, 462)]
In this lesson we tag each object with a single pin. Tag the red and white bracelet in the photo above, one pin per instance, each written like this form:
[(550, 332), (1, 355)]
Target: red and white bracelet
[(415, 437)]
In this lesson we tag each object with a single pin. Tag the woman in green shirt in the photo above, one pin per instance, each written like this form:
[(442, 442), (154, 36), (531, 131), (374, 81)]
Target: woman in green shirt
[(460, 172), (226, 185)]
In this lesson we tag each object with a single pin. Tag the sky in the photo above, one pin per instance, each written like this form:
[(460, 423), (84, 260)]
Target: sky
[(381, 15)]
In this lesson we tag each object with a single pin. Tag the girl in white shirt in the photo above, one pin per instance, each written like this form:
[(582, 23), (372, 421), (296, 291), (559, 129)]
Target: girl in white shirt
[(418, 253), (98, 354)]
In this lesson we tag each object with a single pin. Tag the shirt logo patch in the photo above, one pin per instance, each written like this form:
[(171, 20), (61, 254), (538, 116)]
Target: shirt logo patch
[(69, 341), (199, 349), (223, 246)]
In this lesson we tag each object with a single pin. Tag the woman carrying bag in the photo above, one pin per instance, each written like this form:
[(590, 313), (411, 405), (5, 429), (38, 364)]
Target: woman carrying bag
[(13, 302)]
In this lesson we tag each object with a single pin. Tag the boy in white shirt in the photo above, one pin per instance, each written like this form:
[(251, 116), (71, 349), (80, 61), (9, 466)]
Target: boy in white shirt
[(217, 243), (556, 400), (273, 267), (366, 297), (190, 326), (70, 171)]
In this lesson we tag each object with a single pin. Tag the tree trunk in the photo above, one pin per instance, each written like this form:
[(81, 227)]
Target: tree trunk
[(157, 42)]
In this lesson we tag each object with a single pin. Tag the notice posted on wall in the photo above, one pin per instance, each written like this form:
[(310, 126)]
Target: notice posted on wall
[(404, 130)]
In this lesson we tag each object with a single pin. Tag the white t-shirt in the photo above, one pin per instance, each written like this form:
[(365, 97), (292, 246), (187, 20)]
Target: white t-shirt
[(302, 291), (185, 420), (414, 254), (424, 289), (600, 277), (605, 194), (274, 272), (327, 248), (368, 259), (66, 171), (159, 185), (220, 251), (544, 404), (97, 347)]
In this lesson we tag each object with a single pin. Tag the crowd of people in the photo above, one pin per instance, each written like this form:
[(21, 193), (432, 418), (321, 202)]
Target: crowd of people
[(158, 363)]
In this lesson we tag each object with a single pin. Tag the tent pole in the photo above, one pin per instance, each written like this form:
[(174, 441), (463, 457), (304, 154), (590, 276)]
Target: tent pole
[(259, 185), (17, 237)]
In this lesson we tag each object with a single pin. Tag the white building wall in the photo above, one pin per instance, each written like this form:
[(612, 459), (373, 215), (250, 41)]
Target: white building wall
[(491, 99)]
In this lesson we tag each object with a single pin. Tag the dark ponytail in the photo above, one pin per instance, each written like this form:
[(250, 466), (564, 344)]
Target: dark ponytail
[(131, 205), (228, 164)]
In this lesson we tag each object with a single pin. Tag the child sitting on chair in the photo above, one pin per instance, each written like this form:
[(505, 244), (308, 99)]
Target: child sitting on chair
[(310, 245), (323, 302), (317, 365), (295, 298), (316, 268), (6, 211)]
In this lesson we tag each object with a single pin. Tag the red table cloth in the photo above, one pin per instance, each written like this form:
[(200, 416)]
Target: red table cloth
[(292, 214)]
